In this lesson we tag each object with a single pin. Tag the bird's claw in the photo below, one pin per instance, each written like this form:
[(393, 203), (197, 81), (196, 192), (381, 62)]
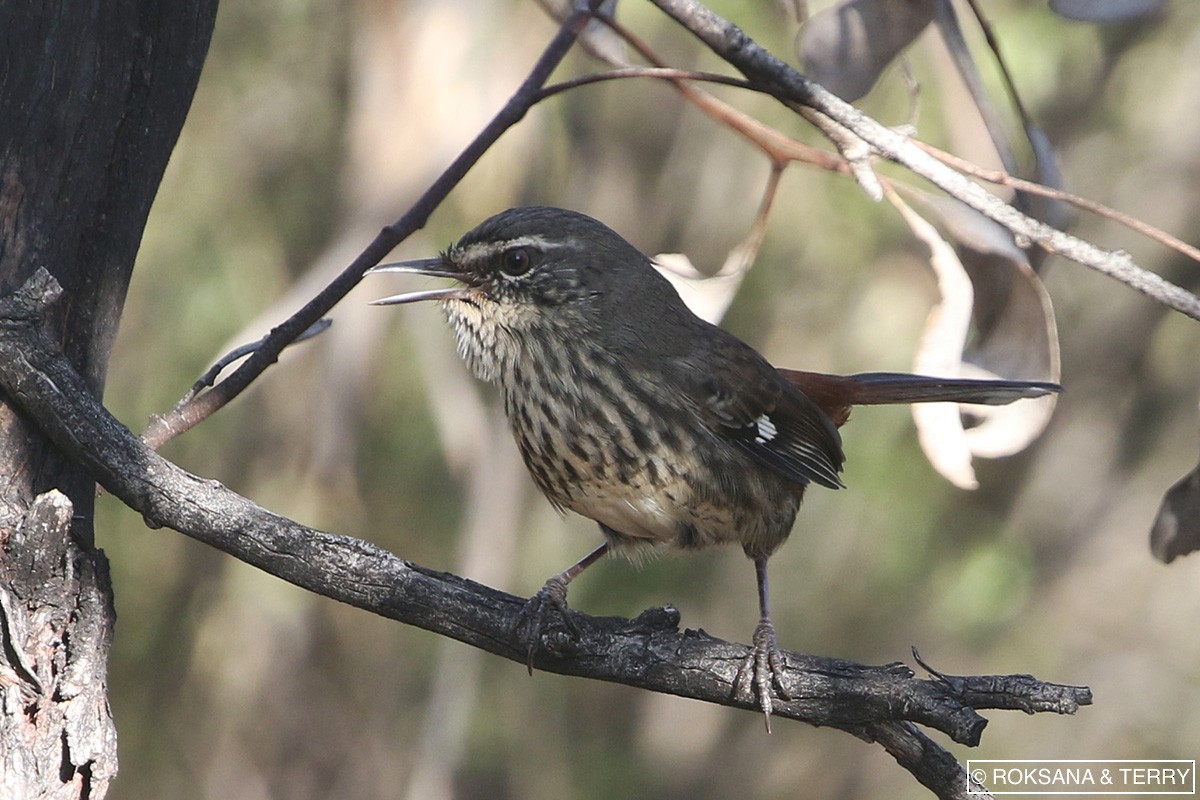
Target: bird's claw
[(762, 671), (548, 602)]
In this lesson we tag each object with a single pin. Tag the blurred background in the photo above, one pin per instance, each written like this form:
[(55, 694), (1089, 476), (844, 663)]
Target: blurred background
[(318, 121)]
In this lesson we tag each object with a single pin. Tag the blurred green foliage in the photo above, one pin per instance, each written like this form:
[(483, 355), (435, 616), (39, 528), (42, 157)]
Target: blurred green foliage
[(317, 121)]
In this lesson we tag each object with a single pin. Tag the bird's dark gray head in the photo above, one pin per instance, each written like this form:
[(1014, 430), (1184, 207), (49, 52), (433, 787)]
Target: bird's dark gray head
[(541, 256), (541, 271), (548, 257)]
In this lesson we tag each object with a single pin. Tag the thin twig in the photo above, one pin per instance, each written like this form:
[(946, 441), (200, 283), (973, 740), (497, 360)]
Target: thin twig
[(778, 147), (1002, 178), (183, 418), (661, 73), (210, 377), (1002, 65)]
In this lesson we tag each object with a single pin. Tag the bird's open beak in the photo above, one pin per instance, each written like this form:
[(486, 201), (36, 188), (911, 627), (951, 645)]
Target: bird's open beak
[(430, 267)]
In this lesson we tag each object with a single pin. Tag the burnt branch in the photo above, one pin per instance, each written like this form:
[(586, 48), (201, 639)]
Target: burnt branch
[(877, 703), (928, 761)]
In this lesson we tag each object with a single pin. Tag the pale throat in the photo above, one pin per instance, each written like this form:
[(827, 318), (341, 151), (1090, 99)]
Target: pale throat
[(494, 338)]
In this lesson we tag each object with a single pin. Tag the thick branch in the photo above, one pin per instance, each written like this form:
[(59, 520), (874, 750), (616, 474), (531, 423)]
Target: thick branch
[(649, 652), (733, 45), (929, 763)]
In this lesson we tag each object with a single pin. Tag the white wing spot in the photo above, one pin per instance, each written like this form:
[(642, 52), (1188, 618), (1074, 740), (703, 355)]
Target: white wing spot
[(766, 430)]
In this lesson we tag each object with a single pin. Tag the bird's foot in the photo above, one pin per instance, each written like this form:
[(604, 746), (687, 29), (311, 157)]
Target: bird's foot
[(544, 612), (762, 671)]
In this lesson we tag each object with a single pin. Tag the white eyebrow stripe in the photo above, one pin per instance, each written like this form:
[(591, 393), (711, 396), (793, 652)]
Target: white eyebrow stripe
[(482, 250)]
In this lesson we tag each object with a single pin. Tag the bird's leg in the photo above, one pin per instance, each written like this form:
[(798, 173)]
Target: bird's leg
[(552, 599), (762, 668)]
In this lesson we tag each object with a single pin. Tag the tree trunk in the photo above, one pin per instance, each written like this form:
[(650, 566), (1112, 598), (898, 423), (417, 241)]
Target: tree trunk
[(92, 98)]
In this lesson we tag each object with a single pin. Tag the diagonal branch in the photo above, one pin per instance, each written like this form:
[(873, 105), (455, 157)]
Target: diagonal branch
[(649, 652), (760, 66)]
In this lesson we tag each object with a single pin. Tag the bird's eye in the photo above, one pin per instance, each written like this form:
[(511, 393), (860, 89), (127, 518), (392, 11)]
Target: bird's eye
[(516, 261)]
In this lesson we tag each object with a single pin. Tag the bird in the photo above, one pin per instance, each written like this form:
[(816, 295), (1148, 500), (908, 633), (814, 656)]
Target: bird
[(627, 408)]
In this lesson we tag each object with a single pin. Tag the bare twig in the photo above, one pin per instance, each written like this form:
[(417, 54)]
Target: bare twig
[(779, 147), (660, 73), (1006, 76), (189, 414), (1001, 178), (733, 45), (649, 652), (960, 54), (210, 377)]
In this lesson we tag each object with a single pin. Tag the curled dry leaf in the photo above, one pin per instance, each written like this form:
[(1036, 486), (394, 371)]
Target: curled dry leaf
[(939, 425), (991, 297), (846, 47), (707, 296)]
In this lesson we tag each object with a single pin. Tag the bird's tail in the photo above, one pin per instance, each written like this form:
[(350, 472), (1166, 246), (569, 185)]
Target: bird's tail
[(836, 393)]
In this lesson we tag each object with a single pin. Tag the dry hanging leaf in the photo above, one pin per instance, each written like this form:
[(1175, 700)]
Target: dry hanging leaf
[(1017, 336), (968, 71), (847, 46), (939, 425), (707, 296), (987, 287), (1045, 168), (1176, 530)]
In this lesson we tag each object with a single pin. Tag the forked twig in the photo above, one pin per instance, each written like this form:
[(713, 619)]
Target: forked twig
[(731, 44), (210, 377), (781, 148)]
